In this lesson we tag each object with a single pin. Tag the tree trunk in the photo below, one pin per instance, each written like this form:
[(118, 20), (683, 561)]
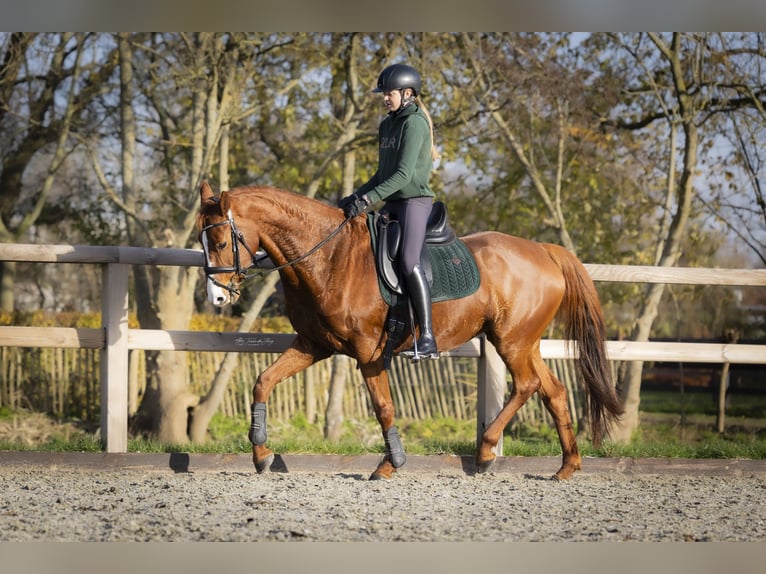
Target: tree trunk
[(201, 414), (165, 406), (7, 280), (685, 117), (631, 373), (333, 421), (173, 399)]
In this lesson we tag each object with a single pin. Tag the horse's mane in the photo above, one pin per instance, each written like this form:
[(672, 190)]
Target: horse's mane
[(298, 206), (289, 212)]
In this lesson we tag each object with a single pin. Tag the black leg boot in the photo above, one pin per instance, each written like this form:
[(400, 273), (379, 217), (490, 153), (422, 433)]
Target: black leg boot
[(420, 297)]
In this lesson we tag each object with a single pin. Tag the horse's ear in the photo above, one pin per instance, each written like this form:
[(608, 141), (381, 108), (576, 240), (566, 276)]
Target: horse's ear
[(225, 202), (205, 192)]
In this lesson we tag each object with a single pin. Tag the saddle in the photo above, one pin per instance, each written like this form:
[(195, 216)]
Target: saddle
[(389, 242)]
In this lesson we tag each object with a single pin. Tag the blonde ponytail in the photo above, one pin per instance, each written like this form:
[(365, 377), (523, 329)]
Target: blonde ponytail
[(434, 152)]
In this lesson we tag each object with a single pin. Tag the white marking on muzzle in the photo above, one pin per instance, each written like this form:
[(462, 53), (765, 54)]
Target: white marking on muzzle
[(216, 294)]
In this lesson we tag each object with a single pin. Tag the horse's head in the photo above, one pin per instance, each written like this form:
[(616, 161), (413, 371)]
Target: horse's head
[(227, 256)]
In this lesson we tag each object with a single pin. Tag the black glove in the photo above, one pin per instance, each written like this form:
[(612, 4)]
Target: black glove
[(353, 205), (346, 200)]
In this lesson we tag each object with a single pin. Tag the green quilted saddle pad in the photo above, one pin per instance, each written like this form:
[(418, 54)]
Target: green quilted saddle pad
[(455, 274)]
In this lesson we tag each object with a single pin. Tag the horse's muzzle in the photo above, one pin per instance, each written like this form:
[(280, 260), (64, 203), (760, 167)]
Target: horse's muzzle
[(220, 295)]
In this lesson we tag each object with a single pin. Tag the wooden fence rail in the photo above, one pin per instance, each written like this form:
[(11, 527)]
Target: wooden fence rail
[(115, 339)]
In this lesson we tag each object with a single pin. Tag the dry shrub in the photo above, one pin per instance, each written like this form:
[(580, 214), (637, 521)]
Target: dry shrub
[(33, 429)]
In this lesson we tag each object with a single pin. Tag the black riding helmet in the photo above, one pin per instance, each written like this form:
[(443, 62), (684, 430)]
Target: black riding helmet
[(398, 77)]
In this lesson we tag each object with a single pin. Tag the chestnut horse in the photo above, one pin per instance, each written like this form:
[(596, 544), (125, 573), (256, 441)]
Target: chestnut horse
[(334, 303)]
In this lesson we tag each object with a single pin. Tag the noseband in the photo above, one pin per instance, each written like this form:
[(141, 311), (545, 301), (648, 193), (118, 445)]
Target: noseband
[(238, 238)]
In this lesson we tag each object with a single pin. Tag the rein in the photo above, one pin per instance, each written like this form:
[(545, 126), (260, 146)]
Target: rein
[(238, 238), (308, 253)]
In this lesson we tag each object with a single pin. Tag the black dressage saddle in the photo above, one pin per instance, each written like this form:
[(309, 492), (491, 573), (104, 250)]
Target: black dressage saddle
[(389, 242)]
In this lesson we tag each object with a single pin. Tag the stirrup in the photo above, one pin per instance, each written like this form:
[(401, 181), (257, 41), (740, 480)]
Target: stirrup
[(416, 355)]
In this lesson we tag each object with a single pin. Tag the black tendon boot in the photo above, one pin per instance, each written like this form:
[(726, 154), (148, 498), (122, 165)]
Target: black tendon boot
[(420, 297)]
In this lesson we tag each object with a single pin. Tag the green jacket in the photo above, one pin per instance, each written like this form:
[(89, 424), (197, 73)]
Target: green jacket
[(404, 160)]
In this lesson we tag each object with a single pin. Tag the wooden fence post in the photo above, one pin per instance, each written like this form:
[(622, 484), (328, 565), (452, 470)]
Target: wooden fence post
[(722, 386), (114, 357), (490, 396)]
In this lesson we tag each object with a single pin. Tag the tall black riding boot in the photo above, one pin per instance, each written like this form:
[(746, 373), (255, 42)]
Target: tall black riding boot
[(420, 298)]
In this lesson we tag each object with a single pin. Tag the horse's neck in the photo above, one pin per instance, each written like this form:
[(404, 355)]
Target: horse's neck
[(291, 225)]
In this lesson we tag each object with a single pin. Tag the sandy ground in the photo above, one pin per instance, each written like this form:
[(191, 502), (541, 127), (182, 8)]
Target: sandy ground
[(176, 498)]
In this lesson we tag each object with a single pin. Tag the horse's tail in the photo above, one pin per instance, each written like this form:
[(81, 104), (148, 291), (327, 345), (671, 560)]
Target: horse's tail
[(584, 324)]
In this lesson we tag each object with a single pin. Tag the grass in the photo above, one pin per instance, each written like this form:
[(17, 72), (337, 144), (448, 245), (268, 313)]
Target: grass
[(696, 402), (672, 426)]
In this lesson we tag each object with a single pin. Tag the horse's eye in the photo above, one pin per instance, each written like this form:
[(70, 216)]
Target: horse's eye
[(220, 246)]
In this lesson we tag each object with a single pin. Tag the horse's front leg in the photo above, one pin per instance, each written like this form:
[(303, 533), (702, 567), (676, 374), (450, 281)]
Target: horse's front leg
[(376, 379), (301, 355)]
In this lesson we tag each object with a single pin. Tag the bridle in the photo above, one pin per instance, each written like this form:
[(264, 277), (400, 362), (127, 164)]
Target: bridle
[(236, 239), (244, 273)]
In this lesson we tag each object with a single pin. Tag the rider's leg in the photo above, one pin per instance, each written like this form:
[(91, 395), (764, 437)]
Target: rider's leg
[(413, 218), (420, 297)]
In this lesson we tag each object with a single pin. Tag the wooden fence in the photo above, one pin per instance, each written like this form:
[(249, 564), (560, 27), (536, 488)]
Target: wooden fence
[(115, 340)]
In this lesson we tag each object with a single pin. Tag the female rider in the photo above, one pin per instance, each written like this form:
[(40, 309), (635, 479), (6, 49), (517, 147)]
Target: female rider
[(405, 161)]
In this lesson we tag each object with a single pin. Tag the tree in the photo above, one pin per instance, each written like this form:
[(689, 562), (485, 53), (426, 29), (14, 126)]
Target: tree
[(46, 86), (185, 88), (541, 167), (740, 203), (684, 83)]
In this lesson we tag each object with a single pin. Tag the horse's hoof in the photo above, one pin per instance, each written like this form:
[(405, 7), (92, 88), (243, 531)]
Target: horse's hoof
[(385, 471), (565, 472), (482, 467), (264, 464)]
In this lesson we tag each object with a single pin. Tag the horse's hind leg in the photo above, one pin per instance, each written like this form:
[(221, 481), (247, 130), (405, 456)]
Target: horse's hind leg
[(525, 383), (554, 396)]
